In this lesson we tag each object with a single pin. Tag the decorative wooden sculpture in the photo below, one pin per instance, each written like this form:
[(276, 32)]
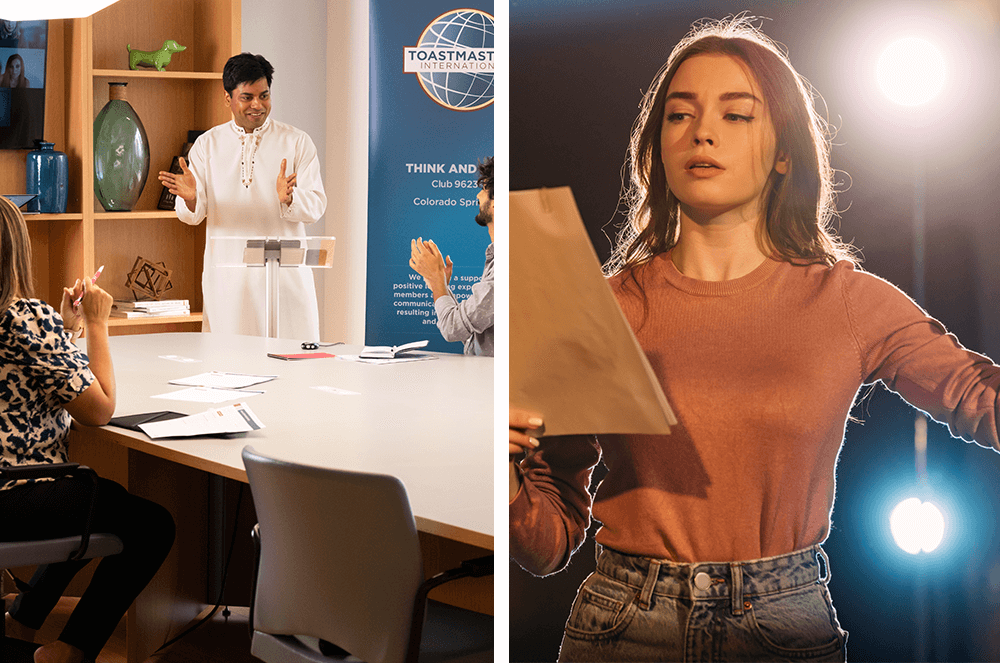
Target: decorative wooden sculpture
[(148, 279)]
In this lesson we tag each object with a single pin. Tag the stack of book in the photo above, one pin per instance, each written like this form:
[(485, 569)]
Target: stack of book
[(149, 309)]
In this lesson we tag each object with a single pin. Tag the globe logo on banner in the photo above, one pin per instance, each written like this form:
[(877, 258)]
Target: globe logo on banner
[(453, 60)]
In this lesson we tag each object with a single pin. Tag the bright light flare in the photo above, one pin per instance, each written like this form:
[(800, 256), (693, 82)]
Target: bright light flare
[(40, 10), (911, 71), (916, 525)]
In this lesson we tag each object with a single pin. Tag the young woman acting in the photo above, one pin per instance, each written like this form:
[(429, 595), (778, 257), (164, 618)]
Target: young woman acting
[(761, 330)]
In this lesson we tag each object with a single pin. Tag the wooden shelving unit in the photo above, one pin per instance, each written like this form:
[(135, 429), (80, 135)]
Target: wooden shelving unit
[(84, 56), (150, 73)]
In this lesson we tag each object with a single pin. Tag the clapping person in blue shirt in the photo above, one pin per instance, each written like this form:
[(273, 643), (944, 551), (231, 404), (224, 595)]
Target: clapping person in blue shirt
[(471, 320)]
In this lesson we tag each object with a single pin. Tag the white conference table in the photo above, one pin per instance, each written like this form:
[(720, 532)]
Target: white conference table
[(428, 423)]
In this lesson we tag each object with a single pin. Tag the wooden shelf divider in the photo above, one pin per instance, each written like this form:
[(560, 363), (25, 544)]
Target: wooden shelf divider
[(150, 214), (152, 73)]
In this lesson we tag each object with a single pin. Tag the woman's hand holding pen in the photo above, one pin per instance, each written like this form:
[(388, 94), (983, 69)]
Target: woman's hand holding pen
[(522, 422), (70, 309), (96, 405), (70, 312), (96, 304)]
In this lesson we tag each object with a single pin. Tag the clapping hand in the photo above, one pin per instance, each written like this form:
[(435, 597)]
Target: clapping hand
[(426, 260), (285, 184)]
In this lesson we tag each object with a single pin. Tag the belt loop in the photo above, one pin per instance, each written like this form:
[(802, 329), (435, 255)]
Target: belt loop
[(824, 563), (736, 572), (646, 593)]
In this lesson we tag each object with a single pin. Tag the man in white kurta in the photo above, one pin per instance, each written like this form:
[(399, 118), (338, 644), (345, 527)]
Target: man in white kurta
[(252, 177)]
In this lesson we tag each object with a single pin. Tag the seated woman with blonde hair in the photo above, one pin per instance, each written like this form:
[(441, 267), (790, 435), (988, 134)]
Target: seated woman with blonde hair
[(45, 380)]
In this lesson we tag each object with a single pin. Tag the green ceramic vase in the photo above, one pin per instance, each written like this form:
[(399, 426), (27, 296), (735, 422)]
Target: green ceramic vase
[(121, 153)]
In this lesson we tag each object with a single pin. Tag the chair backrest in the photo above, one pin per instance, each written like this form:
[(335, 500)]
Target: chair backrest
[(340, 557)]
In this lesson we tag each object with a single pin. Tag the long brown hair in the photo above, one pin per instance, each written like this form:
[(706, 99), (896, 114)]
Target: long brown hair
[(799, 205), (15, 256)]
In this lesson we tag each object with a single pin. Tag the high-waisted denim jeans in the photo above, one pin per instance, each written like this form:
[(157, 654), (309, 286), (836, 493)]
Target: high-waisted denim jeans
[(637, 609)]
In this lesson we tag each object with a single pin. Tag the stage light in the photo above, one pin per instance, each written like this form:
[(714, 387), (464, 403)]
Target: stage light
[(911, 71), (916, 525)]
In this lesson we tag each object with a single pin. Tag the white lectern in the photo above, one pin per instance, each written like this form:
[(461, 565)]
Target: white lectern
[(273, 254)]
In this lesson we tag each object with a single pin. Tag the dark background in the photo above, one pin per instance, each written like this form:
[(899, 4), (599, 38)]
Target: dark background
[(578, 71)]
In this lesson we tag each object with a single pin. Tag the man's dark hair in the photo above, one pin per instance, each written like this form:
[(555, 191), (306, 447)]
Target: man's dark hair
[(485, 180), (245, 68)]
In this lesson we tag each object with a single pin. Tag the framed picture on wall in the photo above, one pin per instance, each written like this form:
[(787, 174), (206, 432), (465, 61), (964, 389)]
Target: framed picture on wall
[(23, 47)]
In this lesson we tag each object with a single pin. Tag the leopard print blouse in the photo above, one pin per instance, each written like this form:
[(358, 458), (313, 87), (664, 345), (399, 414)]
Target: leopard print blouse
[(41, 370)]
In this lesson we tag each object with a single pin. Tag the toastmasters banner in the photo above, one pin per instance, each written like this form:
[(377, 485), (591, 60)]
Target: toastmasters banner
[(431, 121)]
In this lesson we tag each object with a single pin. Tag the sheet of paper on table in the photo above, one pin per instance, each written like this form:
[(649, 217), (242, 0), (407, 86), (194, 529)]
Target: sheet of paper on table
[(182, 360), (223, 380), (573, 356), (336, 391), (235, 418), (207, 395)]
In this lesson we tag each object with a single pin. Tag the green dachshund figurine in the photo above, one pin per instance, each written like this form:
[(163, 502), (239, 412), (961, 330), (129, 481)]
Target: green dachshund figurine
[(158, 59)]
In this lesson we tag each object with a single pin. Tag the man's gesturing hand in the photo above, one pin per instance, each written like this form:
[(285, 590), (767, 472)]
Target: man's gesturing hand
[(285, 184)]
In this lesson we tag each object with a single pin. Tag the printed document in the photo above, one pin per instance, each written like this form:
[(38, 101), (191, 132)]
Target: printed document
[(235, 418)]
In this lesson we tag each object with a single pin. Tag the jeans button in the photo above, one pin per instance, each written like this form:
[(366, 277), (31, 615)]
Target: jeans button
[(702, 581)]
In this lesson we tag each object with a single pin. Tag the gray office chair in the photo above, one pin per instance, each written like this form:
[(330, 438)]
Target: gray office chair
[(49, 551), (339, 566)]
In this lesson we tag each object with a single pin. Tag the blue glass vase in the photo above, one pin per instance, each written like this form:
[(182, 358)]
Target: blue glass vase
[(48, 176), (121, 153)]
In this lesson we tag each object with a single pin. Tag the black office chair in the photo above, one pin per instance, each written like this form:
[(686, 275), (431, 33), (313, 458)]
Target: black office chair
[(49, 551), (339, 573)]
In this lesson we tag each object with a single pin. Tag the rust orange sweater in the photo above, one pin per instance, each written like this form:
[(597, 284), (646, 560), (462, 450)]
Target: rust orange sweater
[(761, 372)]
